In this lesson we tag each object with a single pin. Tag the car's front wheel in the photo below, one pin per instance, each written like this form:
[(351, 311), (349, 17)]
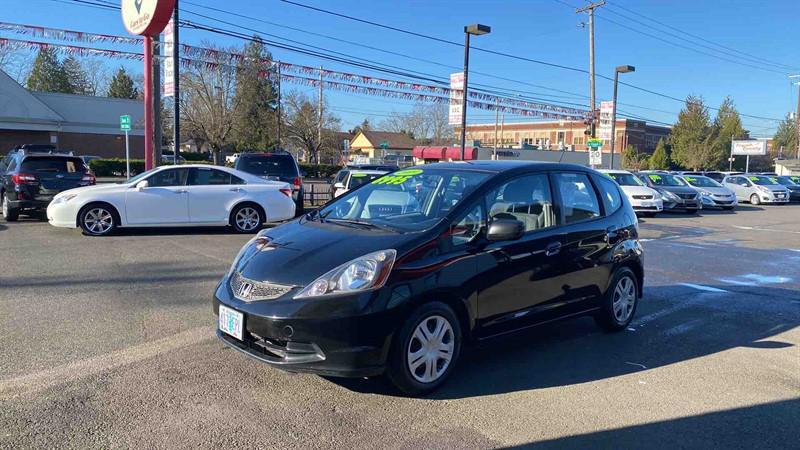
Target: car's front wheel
[(754, 200), (425, 349), (619, 304), (97, 220), (247, 218), (9, 214)]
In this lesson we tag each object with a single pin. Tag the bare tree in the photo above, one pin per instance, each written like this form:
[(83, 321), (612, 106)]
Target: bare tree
[(302, 126), (16, 64), (97, 75), (427, 124), (208, 103)]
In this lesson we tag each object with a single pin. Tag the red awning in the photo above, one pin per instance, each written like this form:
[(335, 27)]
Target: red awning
[(454, 153), (429, 152)]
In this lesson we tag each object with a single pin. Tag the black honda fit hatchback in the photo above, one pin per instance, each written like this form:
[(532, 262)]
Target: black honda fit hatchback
[(396, 275)]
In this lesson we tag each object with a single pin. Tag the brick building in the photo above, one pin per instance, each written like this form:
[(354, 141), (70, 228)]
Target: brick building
[(555, 135), (84, 124)]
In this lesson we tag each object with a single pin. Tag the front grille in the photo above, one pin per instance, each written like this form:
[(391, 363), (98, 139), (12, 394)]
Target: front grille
[(689, 196), (643, 197), (251, 290), (722, 196)]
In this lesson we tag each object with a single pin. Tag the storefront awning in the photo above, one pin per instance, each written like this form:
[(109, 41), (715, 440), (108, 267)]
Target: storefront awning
[(429, 152), (454, 153)]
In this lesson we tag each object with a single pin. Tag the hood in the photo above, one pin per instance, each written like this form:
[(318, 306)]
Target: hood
[(678, 189), (775, 187), (301, 251), (715, 190), (639, 190), (94, 188)]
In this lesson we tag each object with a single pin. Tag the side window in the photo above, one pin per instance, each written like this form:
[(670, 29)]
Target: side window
[(205, 177), (237, 180), (11, 165), (527, 199), (578, 199), (609, 192), (469, 226), (341, 176), (168, 177)]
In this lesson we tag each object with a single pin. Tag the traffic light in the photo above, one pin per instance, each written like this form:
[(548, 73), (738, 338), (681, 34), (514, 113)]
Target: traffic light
[(588, 124)]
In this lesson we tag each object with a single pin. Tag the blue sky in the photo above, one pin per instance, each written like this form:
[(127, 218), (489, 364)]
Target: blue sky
[(546, 30)]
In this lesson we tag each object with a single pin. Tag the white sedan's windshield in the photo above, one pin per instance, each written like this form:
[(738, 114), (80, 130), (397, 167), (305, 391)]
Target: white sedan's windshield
[(698, 181), (407, 200)]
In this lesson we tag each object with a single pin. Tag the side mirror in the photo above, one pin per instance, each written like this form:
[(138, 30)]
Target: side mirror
[(505, 230), (338, 185), (140, 186)]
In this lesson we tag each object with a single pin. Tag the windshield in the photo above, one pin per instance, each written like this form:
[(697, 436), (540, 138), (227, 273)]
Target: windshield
[(408, 200), (359, 178), (698, 181), (663, 179), (625, 179), (762, 180), (789, 181)]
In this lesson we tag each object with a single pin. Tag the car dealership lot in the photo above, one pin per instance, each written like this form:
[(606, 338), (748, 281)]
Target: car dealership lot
[(109, 342)]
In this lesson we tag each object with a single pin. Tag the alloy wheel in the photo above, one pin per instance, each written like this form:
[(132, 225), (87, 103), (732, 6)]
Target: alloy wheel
[(247, 219), (98, 220), (754, 199), (430, 349), (624, 299)]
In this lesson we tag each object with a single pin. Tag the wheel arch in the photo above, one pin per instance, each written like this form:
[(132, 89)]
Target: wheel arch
[(460, 306), (638, 271), (247, 202), (113, 208)]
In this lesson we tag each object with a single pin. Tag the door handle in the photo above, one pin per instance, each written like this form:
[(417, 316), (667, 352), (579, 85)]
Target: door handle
[(235, 189), (182, 191), (552, 249)]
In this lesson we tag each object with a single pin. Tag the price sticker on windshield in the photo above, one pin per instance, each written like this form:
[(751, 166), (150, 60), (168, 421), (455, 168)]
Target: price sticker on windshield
[(691, 179), (655, 177), (398, 177), (753, 178)]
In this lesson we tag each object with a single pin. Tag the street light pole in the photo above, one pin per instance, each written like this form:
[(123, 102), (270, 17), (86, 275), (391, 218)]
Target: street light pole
[(477, 30), (617, 71)]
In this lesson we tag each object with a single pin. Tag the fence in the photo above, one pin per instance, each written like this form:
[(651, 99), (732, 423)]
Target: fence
[(317, 193)]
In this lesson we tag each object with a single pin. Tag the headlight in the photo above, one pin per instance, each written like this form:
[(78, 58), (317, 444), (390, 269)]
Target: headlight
[(705, 193), (361, 274), (667, 196), (65, 198), (763, 189)]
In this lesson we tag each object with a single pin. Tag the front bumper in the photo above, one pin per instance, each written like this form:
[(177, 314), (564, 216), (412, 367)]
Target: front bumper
[(650, 205), (773, 198), (345, 336), (63, 215), (683, 204)]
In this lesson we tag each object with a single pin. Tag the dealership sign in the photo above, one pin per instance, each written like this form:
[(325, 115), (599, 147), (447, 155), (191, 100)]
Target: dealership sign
[(456, 97), (749, 147), (146, 17), (169, 61)]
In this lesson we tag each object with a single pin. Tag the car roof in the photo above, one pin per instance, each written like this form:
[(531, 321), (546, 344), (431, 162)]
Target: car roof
[(503, 165), (619, 171), (369, 171)]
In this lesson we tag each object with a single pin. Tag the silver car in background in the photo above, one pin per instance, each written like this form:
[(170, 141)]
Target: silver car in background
[(757, 189), (712, 194)]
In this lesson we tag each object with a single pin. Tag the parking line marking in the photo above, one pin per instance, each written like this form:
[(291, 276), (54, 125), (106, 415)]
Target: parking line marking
[(45, 379), (765, 229), (681, 244), (701, 287)]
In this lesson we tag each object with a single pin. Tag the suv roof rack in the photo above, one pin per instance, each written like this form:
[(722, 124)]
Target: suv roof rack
[(29, 149)]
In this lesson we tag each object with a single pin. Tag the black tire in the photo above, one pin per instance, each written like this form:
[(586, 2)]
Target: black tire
[(692, 211), (9, 214), (98, 219), (398, 370), (754, 200), (606, 317), (247, 218), (648, 214)]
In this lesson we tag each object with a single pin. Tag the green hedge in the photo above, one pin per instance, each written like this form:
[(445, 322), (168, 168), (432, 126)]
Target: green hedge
[(115, 167), (189, 156), (319, 171)]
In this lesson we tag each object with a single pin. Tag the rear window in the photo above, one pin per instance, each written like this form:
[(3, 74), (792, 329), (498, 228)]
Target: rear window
[(275, 165), (357, 179), (52, 164)]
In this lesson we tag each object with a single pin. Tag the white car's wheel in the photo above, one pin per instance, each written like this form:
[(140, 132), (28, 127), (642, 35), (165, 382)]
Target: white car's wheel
[(247, 218), (97, 219)]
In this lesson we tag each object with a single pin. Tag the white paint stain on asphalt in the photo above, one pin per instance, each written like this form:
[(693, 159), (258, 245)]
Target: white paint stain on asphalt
[(702, 287), (772, 230), (682, 328), (754, 279)]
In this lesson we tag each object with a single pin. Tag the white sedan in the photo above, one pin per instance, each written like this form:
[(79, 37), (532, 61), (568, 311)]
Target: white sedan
[(185, 195), (645, 201)]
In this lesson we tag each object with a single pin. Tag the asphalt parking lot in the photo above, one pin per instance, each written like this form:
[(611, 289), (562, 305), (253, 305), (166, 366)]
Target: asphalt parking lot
[(109, 343)]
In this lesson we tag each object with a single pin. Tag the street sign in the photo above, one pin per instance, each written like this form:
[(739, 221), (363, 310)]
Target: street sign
[(754, 147), (594, 143), (146, 17), (125, 123), (606, 111), (595, 157), (384, 145), (456, 98)]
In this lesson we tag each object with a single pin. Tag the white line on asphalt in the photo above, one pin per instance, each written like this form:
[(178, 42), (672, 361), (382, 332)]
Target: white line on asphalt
[(682, 244), (701, 287), (38, 381), (773, 230)]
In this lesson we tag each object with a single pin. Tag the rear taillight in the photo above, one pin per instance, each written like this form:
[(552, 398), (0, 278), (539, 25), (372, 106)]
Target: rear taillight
[(286, 191), (24, 178), (297, 183), (88, 178)]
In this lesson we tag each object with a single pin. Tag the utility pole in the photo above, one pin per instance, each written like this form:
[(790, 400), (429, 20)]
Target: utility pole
[(176, 81), (157, 131), (280, 119), (496, 122), (797, 120), (319, 128), (590, 9)]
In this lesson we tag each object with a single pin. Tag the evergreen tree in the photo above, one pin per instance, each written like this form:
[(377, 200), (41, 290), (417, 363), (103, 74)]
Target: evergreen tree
[(365, 126), (78, 78), (255, 100), (785, 140), (633, 160), (48, 74), (692, 136), (122, 86), (659, 159), (727, 127)]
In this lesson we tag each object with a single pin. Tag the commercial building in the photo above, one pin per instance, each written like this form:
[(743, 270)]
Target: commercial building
[(84, 124), (565, 134)]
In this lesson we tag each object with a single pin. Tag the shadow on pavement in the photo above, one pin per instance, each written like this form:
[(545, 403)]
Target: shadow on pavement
[(768, 425), (577, 351)]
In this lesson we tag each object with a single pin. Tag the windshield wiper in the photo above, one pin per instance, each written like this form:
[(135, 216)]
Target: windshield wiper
[(363, 224)]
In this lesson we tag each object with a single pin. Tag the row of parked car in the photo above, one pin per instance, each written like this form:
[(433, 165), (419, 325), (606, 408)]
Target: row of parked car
[(651, 192)]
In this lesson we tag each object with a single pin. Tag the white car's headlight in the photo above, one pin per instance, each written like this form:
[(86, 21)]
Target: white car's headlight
[(763, 189), (361, 274), (64, 198), (705, 193)]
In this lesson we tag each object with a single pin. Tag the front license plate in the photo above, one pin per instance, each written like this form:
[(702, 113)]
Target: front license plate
[(230, 322), (647, 203)]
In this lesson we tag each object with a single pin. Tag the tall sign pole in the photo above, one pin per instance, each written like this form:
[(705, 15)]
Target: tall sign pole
[(147, 18), (590, 9), (176, 111), (125, 125), (280, 119), (157, 131)]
